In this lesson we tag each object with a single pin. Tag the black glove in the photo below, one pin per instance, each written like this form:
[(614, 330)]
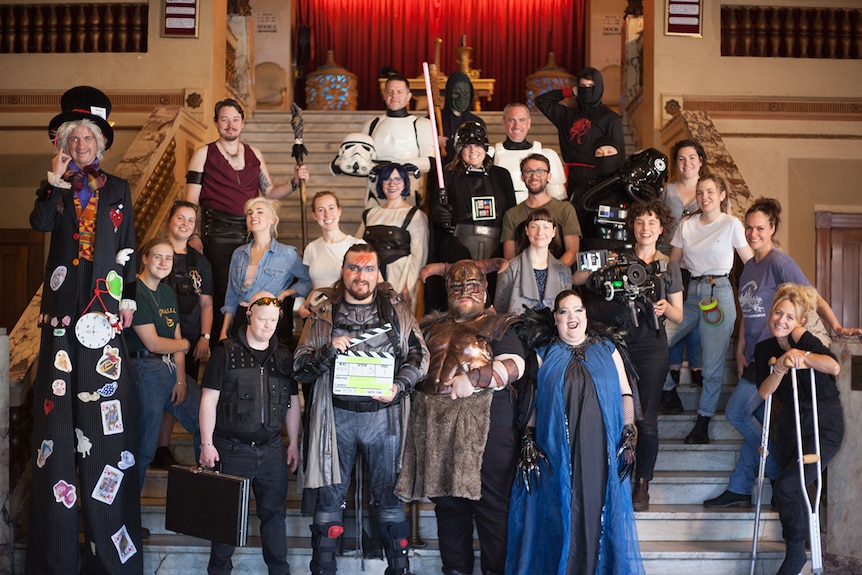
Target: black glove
[(443, 216), (319, 363), (528, 463), (626, 451)]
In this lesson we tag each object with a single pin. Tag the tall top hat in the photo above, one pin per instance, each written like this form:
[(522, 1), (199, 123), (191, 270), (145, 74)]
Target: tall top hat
[(84, 103)]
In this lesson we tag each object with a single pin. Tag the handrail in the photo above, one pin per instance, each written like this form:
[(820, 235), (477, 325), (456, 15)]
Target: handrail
[(149, 166)]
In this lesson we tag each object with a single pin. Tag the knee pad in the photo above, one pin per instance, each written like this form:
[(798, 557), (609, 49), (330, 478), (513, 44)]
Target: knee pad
[(328, 534)]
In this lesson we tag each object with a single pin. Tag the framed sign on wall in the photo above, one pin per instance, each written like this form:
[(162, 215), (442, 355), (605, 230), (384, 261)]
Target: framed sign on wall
[(180, 19), (684, 18)]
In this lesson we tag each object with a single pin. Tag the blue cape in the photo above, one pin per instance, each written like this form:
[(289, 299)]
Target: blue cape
[(540, 524)]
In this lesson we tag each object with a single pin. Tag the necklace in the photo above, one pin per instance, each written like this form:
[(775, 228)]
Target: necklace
[(233, 156), (156, 299)]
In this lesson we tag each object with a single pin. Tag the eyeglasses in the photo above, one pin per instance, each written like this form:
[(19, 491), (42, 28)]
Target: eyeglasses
[(539, 172), (395, 180), (267, 301), (366, 269)]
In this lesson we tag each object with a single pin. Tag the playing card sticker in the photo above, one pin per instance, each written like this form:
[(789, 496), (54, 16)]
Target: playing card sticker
[(108, 485), (124, 544), (112, 417)]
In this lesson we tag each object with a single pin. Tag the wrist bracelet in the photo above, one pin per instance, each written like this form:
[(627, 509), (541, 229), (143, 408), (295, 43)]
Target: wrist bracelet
[(180, 383), (206, 444)]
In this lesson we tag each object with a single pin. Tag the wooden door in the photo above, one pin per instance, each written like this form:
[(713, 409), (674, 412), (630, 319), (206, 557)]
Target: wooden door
[(21, 263), (839, 264)]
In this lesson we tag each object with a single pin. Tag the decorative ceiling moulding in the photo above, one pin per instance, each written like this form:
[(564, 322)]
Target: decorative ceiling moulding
[(50, 102), (793, 108)]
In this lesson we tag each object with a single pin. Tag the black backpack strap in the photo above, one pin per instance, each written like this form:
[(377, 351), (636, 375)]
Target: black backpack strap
[(365, 213), (406, 220)]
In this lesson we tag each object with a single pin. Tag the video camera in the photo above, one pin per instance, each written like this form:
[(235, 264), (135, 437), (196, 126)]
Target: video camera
[(628, 281)]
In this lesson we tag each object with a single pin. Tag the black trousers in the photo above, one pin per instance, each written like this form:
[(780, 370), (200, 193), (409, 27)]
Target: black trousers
[(455, 515), (787, 489), (649, 356)]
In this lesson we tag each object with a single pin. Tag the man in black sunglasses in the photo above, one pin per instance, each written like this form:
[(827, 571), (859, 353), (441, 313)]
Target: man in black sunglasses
[(359, 326)]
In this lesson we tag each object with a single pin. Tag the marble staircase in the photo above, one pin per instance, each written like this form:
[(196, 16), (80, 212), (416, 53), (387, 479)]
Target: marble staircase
[(678, 536)]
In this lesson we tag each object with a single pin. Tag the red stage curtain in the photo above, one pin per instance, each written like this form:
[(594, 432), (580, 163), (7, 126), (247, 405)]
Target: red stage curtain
[(510, 38)]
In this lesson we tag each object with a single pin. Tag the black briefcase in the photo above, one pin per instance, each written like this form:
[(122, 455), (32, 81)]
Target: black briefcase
[(207, 504)]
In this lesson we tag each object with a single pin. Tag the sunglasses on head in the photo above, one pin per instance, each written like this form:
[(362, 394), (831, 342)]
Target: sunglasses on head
[(267, 301)]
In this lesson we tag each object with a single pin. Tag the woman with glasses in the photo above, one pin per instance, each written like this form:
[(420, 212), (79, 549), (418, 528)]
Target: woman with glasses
[(534, 277), (578, 518), (262, 264), (398, 231)]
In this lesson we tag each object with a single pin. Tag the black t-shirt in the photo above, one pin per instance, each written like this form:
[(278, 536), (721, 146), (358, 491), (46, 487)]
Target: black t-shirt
[(827, 389)]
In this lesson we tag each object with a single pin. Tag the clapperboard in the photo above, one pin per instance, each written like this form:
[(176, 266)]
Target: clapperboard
[(365, 373)]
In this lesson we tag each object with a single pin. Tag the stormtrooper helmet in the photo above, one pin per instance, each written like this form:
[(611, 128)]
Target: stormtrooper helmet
[(355, 157)]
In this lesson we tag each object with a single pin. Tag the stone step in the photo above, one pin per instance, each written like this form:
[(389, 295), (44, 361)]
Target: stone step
[(181, 555), (696, 523), (694, 487), (172, 555), (718, 455)]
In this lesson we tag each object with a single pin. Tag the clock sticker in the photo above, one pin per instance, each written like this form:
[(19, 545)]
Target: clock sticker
[(94, 329)]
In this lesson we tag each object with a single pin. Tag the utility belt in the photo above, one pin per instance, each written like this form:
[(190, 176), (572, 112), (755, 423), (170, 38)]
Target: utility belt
[(223, 227), (362, 406), (480, 241)]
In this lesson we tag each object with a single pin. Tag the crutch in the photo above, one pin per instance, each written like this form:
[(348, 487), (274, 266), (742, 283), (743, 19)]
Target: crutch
[(810, 458), (761, 471)]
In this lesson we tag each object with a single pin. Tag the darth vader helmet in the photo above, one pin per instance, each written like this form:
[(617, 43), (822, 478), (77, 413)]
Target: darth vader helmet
[(470, 133)]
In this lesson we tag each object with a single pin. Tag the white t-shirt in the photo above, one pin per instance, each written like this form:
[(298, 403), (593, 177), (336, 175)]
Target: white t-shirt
[(324, 260), (707, 249)]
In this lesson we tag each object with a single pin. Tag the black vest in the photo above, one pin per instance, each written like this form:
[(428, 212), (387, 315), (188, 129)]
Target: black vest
[(254, 395)]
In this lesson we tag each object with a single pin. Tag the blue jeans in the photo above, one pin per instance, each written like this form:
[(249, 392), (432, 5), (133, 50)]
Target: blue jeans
[(745, 411), (691, 344), (266, 466), (154, 380), (715, 338)]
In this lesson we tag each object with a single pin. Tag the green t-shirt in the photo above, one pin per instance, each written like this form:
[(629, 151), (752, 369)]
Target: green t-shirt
[(156, 307), (563, 211)]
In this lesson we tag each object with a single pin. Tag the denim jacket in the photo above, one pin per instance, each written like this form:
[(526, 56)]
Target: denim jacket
[(277, 269)]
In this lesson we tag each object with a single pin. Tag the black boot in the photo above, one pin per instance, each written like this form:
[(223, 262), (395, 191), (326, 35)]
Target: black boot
[(697, 377), (700, 434), (324, 546), (640, 495), (674, 375), (670, 403)]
